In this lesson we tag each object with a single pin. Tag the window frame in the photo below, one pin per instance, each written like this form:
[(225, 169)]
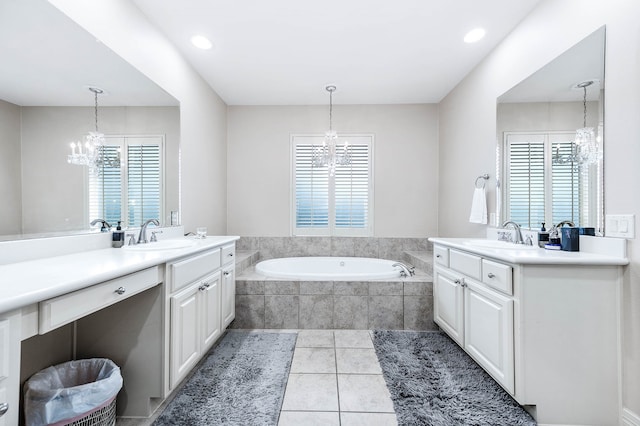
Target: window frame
[(332, 229), (123, 141)]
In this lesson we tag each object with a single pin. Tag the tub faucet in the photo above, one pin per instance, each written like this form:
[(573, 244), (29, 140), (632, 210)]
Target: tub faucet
[(142, 238), (516, 227), (405, 270)]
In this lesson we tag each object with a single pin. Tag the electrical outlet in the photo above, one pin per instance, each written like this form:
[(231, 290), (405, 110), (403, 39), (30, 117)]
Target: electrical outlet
[(620, 225)]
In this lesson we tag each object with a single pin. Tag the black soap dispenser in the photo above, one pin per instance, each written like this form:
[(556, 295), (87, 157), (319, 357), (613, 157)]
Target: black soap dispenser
[(543, 237), (117, 237)]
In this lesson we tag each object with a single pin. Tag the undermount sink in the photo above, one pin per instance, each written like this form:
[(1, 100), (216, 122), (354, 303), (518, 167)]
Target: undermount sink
[(161, 245), (496, 244)]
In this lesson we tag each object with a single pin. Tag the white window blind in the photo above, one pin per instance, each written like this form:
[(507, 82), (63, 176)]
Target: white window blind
[(544, 185), (332, 205), (133, 192)]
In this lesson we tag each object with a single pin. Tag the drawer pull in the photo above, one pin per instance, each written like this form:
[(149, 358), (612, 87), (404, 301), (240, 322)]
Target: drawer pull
[(438, 256), (464, 284), (227, 273), (4, 407), (120, 290), (491, 275), (230, 255), (204, 286), (457, 282)]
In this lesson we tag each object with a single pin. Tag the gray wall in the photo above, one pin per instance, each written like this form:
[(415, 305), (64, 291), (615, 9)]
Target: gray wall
[(10, 179), (405, 167), (468, 129)]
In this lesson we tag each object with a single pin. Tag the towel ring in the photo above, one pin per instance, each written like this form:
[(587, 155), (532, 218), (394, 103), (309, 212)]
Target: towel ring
[(482, 178)]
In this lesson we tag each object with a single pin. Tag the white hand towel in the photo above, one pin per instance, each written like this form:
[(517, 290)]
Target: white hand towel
[(478, 207)]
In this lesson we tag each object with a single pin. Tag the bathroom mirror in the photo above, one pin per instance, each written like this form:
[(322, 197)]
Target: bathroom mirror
[(48, 64), (546, 174)]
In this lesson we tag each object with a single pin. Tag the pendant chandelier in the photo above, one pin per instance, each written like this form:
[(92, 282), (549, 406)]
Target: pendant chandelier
[(91, 153), (587, 146), (330, 154)]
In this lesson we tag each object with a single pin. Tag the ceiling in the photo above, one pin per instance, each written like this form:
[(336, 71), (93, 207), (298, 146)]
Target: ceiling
[(284, 52), (47, 59)]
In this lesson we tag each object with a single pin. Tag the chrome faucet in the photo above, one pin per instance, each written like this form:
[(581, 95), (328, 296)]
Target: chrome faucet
[(105, 226), (564, 222), (405, 270), (516, 227), (142, 238)]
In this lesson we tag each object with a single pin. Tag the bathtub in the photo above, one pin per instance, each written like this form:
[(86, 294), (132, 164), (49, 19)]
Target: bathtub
[(328, 268)]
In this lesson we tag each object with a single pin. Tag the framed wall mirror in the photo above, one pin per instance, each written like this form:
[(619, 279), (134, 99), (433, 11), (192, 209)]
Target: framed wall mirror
[(550, 142), (45, 105)]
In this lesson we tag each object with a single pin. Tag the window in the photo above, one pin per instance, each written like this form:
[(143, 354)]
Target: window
[(544, 183), (332, 205), (133, 192)]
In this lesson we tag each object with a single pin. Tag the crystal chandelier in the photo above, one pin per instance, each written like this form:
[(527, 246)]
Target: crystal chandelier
[(587, 144), (330, 154), (91, 153)]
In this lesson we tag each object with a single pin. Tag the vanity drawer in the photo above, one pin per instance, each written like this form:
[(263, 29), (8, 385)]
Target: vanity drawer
[(441, 256), (498, 276), (69, 307), (186, 271), (468, 264), (228, 254)]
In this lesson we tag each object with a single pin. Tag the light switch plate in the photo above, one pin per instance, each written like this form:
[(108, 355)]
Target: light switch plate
[(620, 225)]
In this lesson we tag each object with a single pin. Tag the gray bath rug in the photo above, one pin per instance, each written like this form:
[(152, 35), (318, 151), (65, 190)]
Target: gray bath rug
[(433, 382), (241, 382)]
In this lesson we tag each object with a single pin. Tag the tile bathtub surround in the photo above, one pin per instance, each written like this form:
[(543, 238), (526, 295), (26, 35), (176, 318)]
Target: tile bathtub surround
[(383, 248), (336, 379), (393, 305)]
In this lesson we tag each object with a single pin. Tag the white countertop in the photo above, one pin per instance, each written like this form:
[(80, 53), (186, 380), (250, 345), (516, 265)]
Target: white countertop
[(540, 256), (24, 283)]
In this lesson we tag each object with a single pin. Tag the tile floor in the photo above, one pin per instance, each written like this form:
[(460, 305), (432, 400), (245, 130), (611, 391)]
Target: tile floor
[(335, 379)]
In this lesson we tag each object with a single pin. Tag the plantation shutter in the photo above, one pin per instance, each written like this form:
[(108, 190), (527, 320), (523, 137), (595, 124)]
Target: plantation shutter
[(133, 192), (143, 183), (526, 180), (311, 190), (332, 205)]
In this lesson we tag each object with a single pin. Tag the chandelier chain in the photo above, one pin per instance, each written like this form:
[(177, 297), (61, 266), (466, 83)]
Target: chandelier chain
[(584, 105), (95, 92)]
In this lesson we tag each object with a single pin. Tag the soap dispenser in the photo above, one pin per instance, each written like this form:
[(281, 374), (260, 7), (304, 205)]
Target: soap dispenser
[(117, 237), (543, 236)]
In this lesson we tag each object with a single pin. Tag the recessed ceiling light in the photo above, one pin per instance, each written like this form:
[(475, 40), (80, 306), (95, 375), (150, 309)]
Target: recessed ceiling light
[(201, 42), (474, 35)]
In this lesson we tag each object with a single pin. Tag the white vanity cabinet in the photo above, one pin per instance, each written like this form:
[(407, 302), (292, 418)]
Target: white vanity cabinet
[(228, 284), (9, 368), (195, 310), (477, 316), (544, 325)]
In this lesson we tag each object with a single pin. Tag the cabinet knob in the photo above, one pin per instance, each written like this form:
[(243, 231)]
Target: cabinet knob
[(438, 256), (491, 275), (230, 255), (457, 282), (120, 290), (227, 273), (4, 407)]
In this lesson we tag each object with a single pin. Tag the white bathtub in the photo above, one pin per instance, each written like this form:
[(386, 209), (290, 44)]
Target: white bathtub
[(328, 268)]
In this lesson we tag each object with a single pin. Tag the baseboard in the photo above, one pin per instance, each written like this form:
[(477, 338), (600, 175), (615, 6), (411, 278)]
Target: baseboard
[(629, 418)]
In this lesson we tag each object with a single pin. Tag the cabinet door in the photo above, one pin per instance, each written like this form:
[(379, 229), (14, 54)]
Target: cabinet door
[(185, 348), (210, 309), (228, 296), (488, 331), (448, 304)]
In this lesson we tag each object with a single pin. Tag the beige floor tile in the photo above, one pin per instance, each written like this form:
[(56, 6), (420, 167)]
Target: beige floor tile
[(368, 419), (315, 339), (314, 360), (353, 339), (311, 392), (357, 361), (364, 393), (308, 418)]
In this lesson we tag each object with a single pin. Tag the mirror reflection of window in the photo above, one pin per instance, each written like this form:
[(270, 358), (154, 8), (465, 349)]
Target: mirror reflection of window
[(132, 191)]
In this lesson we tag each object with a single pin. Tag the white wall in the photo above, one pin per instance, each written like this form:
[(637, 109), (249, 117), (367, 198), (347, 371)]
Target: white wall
[(405, 153), (468, 126), (124, 29), (10, 181), (53, 191)]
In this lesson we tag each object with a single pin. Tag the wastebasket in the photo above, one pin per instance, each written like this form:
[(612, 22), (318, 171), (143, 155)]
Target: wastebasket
[(81, 392)]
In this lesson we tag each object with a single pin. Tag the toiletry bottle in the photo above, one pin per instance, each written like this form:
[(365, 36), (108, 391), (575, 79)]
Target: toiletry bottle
[(543, 237), (117, 237)]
